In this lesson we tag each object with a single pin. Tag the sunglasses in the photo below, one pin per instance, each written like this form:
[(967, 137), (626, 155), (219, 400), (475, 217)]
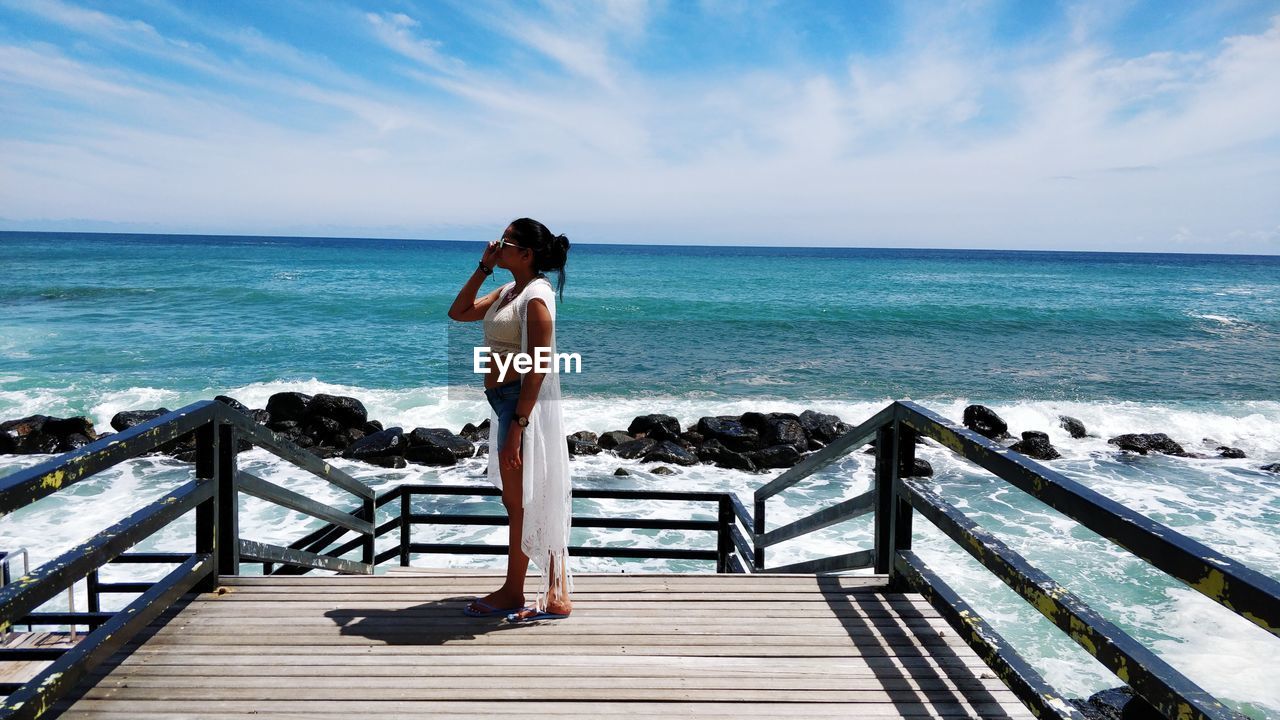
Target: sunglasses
[(503, 242)]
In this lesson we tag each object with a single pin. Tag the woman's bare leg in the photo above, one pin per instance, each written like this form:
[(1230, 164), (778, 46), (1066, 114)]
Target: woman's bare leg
[(517, 561), (511, 594)]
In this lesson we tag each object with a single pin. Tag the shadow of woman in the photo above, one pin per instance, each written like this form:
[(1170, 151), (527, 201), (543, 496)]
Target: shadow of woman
[(432, 623)]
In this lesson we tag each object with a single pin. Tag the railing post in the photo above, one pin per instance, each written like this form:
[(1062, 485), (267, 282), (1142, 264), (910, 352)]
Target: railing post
[(904, 454), (207, 511), (884, 478), (757, 533), (405, 527), (724, 543), (370, 514), (228, 526), (91, 591)]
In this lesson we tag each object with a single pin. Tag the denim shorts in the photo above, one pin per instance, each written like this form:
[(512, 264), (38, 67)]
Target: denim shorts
[(503, 399)]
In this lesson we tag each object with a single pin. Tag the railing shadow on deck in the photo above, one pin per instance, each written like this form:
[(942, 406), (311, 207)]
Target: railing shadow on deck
[(741, 540), (925, 686)]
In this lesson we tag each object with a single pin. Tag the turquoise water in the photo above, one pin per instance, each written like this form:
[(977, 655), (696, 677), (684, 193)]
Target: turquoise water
[(114, 311), (1183, 344)]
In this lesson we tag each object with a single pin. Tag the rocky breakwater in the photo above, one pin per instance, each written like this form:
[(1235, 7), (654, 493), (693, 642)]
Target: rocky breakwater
[(339, 426), (1035, 443), (751, 442)]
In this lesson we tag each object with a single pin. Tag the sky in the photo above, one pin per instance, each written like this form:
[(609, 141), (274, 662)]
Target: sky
[(1112, 125)]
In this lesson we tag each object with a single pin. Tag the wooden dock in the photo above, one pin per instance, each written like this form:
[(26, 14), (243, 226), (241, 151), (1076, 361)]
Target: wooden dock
[(637, 646)]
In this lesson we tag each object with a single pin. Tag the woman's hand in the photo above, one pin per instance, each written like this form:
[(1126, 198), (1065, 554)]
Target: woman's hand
[(509, 457), (490, 255)]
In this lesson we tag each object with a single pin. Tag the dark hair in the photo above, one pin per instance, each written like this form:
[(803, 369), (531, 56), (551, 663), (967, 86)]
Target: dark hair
[(550, 252)]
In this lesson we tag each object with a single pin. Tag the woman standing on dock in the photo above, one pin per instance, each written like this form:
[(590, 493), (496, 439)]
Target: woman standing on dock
[(528, 456)]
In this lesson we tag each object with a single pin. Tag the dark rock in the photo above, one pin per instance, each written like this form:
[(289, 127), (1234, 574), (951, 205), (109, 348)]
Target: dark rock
[(621, 471), (303, 441), (585, 436), (261, 416), (731, 460), (24, 426), (693, 437), (289, 406), (984, 421), (442, 438), (822, 427), (73, 441), (372, 427), (1035, 444), (346, 410), (1273, 467), (713, 451), (1230, 453), (1116, 704), (435, 455), (613, 439), (128, 418), (37, 443), (920, 468), (8, 443), (289, 428), (234, 404), (775, 456), (1074, 427), (379, 444), (708, 450), (730, 431), (185, 456), (633, 449), (1143, 443), (667, 451), (482, 448), (325, 451), (658, 427), (346, 438), (65, 427), (393, 462), (663, 470), (475, 432), (782, 429), (582, 447), (320, 427)]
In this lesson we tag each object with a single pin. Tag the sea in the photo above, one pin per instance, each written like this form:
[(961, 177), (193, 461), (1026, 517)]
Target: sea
[(1187, 345)]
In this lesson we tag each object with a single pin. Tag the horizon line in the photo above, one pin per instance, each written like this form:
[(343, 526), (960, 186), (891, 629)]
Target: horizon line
[(4, 232)]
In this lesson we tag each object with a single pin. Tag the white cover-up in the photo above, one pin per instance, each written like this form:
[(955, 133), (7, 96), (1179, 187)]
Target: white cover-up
[(548, 490)]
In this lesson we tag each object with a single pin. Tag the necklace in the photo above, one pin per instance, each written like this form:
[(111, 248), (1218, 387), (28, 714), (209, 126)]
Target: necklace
[(511, 295)]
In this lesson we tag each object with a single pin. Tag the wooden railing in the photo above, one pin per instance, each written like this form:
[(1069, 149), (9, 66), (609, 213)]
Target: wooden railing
[(895, 497), (212, 495)]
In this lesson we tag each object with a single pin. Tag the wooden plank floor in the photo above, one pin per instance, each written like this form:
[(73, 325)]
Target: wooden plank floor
[(637, 646)]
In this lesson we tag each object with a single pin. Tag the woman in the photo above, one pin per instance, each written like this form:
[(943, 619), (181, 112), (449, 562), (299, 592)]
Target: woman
[(528, 456)]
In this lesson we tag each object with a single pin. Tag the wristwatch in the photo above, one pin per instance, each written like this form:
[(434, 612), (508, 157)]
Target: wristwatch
[(522, 421), (485, 269)]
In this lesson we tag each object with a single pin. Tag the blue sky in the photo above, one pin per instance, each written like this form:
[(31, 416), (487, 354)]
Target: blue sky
[(1079, 126)]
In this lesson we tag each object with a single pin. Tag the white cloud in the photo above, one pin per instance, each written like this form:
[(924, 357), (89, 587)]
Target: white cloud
[(397, 31), (950, 142)]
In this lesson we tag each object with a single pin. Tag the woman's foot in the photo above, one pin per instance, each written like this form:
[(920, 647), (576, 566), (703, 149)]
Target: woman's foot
[(497, 602), (556, 608)]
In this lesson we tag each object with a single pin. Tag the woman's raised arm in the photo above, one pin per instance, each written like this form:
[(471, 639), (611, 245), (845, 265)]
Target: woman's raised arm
[(465, 307)]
